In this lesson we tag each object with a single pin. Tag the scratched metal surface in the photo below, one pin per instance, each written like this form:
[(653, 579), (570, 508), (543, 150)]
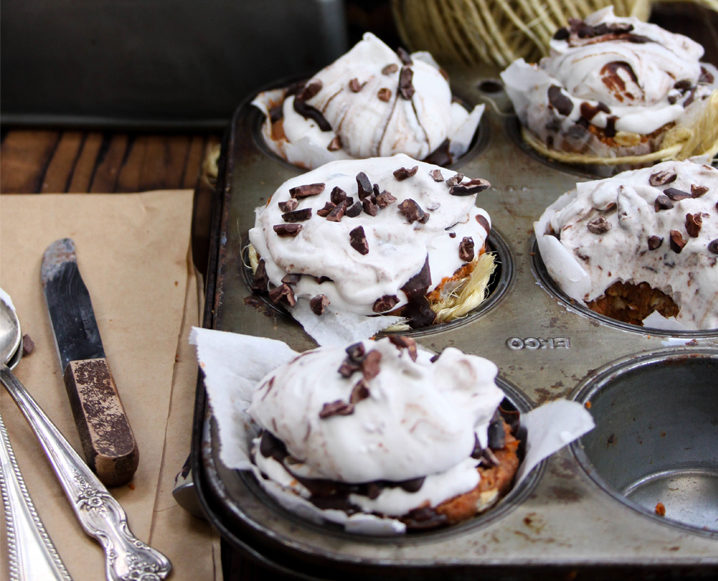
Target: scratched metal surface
[(544, 348)]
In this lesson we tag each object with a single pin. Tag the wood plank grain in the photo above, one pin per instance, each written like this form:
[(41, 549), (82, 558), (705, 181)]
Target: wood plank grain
[(24, 158), (110, 160), (86, 161), (62, 163)]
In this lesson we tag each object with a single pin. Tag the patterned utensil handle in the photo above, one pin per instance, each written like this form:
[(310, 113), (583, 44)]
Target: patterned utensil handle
[(101, 516)]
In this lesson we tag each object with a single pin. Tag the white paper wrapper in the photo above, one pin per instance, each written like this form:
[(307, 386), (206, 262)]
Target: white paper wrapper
[(234, 364)]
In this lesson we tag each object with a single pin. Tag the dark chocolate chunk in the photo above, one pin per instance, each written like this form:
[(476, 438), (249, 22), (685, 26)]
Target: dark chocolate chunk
[(559, 101), (354, 210), (404, 56), (384, 94), (469, 188), (309, 112), (561, 34), (292, 278), (693, 224), (385, 303), (260, 280), (356, 351), (403, 342), (287, 230), (364, 185), (289, 205), (403, 172), (384, 199), (325, 211), (436, 175), (683, 85), (598, 225), (424, 518), (318, 304), (283, 291), (371, 365), (677, 241), (412, 211), (466, 249), (358, 240), (698, 191), (335, 144), (419, 313), (496, 434), (307, 190), (663, 177), (390, 69), (662, 202), (675, 194), (418, 284), (406, 87), (336, 408), (360, 391), (481, 219), (355, 86), (310, 90), (272, 447), (369, 206), (297, 215), (713, 246), (338, 195), (412, 485), (654, 242)]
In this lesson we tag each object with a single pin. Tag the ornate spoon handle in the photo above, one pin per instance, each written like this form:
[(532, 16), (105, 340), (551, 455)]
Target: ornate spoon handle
[(102, 517), (32, 554)]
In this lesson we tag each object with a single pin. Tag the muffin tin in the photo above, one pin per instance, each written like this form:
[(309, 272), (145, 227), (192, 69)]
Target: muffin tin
[(590, 508)]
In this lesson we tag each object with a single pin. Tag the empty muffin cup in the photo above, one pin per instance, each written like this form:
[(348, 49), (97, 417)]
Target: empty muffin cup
[(654, 444)]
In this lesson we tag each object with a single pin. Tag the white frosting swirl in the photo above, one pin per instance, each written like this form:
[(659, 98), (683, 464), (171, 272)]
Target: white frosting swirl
[(420, 417), (397, 248), (360, 99), (633, 78), (584, 263)]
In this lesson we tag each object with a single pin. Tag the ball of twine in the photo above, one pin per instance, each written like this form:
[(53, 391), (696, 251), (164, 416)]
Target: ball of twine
[(497, 31)]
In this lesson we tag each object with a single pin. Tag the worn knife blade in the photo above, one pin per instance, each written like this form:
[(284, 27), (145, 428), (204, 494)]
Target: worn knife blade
[(107, 440)]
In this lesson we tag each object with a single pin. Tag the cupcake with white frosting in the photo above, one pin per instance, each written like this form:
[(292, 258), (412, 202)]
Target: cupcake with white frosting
[(370, 102), (616, 90), (642, 243)]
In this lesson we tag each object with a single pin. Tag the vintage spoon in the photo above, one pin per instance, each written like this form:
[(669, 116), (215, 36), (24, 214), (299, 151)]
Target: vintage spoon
[(32, 554), (101, 516)]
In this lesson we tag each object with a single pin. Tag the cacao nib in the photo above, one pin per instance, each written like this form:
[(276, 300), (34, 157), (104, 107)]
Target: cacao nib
[(661, 178), (287, 230), (347, 368), (338, 195), (677, 241), (336, 408), (654, 242), (283, 291), (292, 278), (310, 90), (389, 69), (260, 280), (384, 94), (404, 56), (384, 199), (698, 191), (364, 185), (455, 179), (403, 342), (385, 303), (466, 249), (335, 144), (318, 304), (406, 87), (289, 205), (403, 172), (559, 101), (481, 219), (371, 364), (355, 86), (337, 212), (469, 188), (675, 194), (325, 211), (306, 190), (369, 206), (360, 391), (693, 224), (356, 352), (297, 215), (354, 210), (713, 246), (598, 225), (662, 202), (412, 212), (309, 112), (418, 284), (436, 175), (358, 240)]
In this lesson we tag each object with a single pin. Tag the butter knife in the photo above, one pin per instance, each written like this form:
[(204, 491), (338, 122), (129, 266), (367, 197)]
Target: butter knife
[(107, 440)]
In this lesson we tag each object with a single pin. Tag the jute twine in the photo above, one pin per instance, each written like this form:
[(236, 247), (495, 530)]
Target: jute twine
[(497, 31)]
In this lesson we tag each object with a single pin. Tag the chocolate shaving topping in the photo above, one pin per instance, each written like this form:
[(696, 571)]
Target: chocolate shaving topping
[(354, 210), (292, 278), (283, 291), (371, 364), (470, 188), (324, 212), (403, 173), (338, 195), (297, 215), (559, 101), (310, 90), (412, 211), (390, 69), (677, 241), (358, 240), (662, 202), (466, 249), (713, 246), (404, 56), (289, 205), (384, 94), (675, 194), (309, 112), (364, 185), (360, 391), (436, 175), (663, 177), (455, 179), (403, 342), (384, 199), (306, 191), (693, 224), (698, 191), (335, 144), (406, 87), (598, 225), (418, 284), (481, 219), (369, 206), (287, 230), (318, 304), (336, 408), (355, 86), (385, 303), (654, 242)]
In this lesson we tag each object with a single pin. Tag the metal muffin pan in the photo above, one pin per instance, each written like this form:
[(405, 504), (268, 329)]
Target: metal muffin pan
[(573, 516)]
